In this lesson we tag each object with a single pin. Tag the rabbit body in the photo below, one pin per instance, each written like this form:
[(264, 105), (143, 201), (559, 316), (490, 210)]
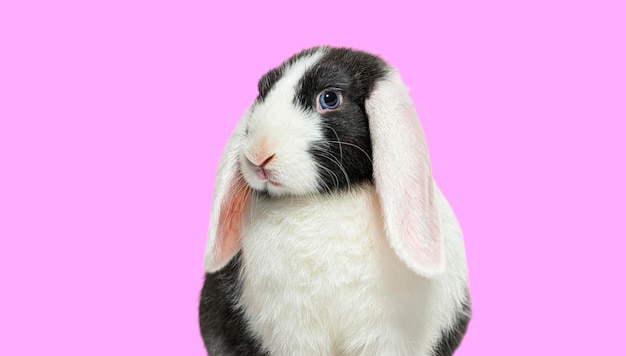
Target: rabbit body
[(335, 287)]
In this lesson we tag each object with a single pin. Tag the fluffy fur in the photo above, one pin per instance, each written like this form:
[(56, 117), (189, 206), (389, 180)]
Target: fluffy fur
[(328, 234), (319, 278)]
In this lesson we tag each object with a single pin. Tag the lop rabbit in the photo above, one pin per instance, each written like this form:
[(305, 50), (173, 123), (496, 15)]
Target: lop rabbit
[(328, 235)]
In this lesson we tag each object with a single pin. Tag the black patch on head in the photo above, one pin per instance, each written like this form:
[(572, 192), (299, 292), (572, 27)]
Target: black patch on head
[(450, 340), (223, 326), (344, 155), (267, 81)]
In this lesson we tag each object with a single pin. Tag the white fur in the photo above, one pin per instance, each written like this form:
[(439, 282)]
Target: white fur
[(320, 279)]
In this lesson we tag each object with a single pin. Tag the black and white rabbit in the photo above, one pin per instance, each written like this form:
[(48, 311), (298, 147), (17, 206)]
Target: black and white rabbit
[(328, 235)]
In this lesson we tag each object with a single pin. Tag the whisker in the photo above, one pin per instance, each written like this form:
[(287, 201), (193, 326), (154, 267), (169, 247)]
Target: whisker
[(334, 160), (353, 145), (338, 141), (332, 174), (336, 180)]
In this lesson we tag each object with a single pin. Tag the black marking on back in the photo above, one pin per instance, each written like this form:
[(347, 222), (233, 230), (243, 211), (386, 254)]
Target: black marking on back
[(222, 324), (451, 339), (354, 74)]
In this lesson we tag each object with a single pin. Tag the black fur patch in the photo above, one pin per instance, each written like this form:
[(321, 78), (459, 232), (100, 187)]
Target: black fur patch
[(223, 325), (344, 156), (451, 339)]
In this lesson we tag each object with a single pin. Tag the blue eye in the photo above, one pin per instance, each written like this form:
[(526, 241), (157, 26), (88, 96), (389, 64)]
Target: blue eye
[(329, 99)]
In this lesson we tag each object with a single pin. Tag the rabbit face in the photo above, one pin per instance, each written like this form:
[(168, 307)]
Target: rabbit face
[(307, 131)]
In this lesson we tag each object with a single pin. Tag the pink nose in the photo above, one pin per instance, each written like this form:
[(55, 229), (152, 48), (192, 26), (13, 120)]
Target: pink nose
[(262, 162)]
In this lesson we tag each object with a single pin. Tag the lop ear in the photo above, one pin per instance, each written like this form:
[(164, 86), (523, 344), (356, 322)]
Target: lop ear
[(403, 180), (230, 200)]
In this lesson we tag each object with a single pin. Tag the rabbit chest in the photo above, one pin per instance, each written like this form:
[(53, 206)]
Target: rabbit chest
[(318, 277)]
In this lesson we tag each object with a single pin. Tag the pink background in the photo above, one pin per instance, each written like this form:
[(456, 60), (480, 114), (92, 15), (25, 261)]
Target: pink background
[(114, 113)]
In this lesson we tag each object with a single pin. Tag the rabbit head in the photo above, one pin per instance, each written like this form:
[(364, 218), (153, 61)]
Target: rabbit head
[(326, 121)]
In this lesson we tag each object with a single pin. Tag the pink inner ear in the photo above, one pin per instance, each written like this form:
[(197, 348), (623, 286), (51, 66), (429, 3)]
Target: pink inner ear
[(228, 234), (426, 249)]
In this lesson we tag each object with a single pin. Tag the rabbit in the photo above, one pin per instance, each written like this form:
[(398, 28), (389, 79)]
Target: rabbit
[(328, 234)]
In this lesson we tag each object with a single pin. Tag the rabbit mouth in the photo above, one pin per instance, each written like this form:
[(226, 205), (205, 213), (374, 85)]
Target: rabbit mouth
[(263, 173), (260, 178), (267, 176)]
